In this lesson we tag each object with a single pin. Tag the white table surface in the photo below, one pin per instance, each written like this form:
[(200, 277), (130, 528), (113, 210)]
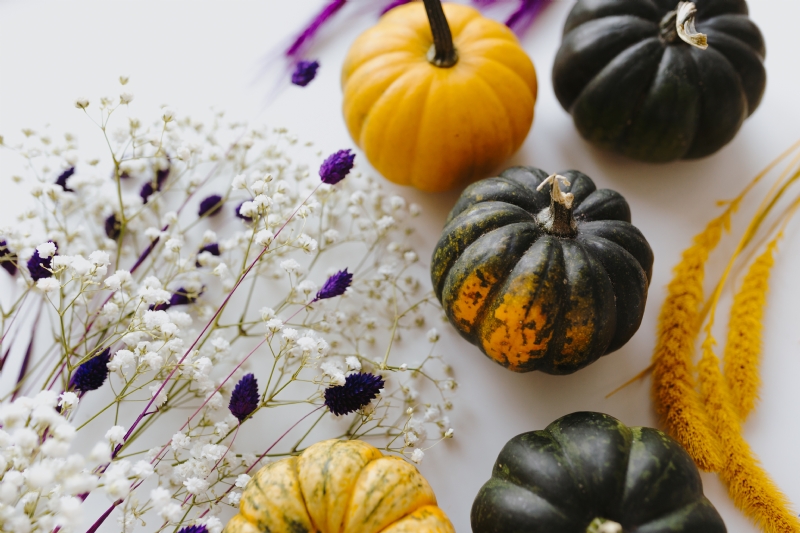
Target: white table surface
[(192, 54)]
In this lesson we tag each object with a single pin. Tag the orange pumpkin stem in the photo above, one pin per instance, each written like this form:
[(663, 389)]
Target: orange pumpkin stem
[(557, 219), (443, 53)]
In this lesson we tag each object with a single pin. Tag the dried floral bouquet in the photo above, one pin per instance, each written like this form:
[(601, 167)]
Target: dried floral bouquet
[(165, 300)]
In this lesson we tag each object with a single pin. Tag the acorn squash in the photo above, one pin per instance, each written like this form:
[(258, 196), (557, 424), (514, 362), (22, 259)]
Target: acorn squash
[(587, 472), (660, 80), (539, 278)]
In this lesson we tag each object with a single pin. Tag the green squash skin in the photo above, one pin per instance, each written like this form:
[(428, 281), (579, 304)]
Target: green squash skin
[(632, 92), (584, 296), (588, 465)]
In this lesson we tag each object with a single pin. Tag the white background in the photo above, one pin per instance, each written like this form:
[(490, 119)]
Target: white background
[(193, 54)]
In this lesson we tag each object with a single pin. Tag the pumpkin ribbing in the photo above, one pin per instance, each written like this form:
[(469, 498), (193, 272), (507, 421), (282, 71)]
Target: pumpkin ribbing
[(542, 279)]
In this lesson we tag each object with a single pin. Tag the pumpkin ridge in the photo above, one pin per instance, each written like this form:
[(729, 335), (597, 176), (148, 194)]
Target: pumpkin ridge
[(352, 491), (388, 74), (296, 473), (708, 101), (640, 103), (516, 141), (409, 510), (386, 95), (553, 320), (597, 41), (594, 269), (720, 36), (422, 112), (495, 284)]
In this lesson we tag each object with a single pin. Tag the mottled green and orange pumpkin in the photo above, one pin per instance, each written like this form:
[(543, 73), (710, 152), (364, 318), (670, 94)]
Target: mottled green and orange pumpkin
[(339, 487), (539, 278)]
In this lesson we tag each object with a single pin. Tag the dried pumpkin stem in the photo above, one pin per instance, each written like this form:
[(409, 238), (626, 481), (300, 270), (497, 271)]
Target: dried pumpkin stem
[(557, 219), (679, 24), (602, 525), (443, 52)]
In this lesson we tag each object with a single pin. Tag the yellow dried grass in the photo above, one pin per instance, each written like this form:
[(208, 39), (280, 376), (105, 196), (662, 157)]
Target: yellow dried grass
[(743, 347), (749, 485), (702, 421), (674, 394)]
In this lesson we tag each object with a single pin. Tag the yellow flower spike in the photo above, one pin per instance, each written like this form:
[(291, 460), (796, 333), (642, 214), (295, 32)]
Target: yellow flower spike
[(748, 484), (673, 383), (743, 347)]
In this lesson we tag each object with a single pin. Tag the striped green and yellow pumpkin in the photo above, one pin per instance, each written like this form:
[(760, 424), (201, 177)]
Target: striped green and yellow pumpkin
[(539, 278), (339, 487)]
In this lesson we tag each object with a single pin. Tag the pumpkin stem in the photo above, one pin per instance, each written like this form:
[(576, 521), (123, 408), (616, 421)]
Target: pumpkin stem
[(601, 525), (679, 24), (443, 53), (557, 219)]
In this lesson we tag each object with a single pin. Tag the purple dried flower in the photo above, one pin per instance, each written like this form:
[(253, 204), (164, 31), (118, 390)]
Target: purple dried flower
[(337, 166), (39, 267), (525, 15), (155, 184), (62, 179), (210, 206), (304, 72), (239, 213), (244, 398), (307, 34), (194, 529), (179, 297), (113, 227), (212, 248), (92, 374), (335, 285), (358, 390), (8, 259)]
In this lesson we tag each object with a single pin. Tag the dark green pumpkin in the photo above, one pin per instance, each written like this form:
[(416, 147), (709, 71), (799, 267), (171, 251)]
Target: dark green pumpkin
[(589, 467), (634, 87), (537, 297)]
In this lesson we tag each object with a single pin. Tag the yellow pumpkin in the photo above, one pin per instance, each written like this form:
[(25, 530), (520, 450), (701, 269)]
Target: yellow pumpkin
[(437, 113), (339, 487)]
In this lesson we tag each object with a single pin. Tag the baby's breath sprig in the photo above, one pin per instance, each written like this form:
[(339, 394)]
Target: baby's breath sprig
[(188, 284)]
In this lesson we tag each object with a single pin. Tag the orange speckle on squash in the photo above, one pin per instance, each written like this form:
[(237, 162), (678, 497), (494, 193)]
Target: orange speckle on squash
[(518, 337), (471, 297)]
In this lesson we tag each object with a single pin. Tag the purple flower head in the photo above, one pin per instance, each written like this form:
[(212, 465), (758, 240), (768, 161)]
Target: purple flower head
[(92, 374), (193, 529), (244, 398), (358, 390), (179, 297), (39, 267), (240, 215), (155, 184), (8, 259), (212, 248), (335, 285), (113, 227), (210, 206), (62, 179), (304, 72), (337, 166)]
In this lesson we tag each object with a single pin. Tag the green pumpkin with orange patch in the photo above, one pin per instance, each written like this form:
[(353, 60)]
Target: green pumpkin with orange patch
[(541, 277)]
